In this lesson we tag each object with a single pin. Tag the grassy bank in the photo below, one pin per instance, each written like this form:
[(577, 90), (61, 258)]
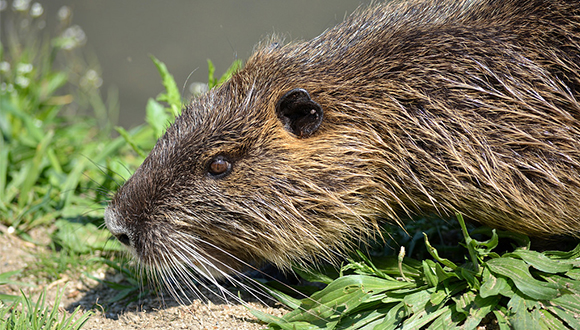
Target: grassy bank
[(61, 158)]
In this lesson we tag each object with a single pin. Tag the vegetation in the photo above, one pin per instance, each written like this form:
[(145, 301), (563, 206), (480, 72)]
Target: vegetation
[(521, 289), (59, 162), (37, 316)]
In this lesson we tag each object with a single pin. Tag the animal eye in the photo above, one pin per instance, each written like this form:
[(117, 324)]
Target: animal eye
[(219, 166)]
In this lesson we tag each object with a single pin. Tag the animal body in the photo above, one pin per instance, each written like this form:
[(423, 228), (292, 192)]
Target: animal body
[(418, 107)]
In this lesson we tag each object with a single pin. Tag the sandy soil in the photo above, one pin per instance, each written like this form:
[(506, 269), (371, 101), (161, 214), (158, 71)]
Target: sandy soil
[(151, 312)]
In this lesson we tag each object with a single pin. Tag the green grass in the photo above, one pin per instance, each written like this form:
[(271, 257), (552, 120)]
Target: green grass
[(58, 159), (55, 146), (27, 315), (59, 163), (521, 289)]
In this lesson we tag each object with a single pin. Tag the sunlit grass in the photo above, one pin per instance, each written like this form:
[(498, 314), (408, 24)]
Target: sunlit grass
[(61, 158), (25, 314), (519, 289)]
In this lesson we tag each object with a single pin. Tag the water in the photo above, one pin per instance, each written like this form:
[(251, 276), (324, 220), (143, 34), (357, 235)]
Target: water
[(184, 34)]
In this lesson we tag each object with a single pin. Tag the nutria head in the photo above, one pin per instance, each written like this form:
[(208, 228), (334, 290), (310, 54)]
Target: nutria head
[(422, 108), (242, 176)]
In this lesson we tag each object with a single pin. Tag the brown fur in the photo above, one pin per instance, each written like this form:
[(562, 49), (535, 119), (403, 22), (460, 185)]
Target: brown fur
[(429, 107)]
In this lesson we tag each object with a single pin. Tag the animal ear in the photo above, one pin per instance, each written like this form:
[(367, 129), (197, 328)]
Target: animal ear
[(299, 114)]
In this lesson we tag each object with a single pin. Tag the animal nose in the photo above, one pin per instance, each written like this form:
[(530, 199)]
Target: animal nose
[(117, 229), (124, 238)]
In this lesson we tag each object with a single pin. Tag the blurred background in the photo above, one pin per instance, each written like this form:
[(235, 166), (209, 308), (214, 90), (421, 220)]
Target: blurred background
[(183, 34)]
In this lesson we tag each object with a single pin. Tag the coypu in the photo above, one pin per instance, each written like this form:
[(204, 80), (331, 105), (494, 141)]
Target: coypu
[(419, 107)]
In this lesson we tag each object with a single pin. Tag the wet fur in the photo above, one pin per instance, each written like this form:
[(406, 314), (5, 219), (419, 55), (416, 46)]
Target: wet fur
[(430, 107)]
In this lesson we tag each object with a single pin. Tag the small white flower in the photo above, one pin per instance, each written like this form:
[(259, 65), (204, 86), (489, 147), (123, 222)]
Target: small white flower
[(4, 66), (21, 5), (63, 13), (92, 75), (92, 78), (24, 68), (74, 36), (22, 81), (36, 10)]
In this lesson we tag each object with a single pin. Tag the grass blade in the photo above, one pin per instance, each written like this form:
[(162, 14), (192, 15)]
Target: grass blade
[(34, 169)]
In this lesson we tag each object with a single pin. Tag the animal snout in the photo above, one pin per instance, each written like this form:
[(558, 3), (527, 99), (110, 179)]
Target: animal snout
[(116, 228)]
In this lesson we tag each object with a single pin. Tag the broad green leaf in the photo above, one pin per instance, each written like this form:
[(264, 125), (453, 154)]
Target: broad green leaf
[(330, 305), (502, 322), (573, 254), (393, 318), (494, 285), (437, 297), (365, 267), (299, 325), (429, 273), (570, 318), (417, 301), (443, 274), (367, 319), (445, 321), (574, 274), (541, 262), (342, 296), (549, 321), (469, 277), (265, 317), (464, 302), (156, 117), (285, 299), (422, 318), (479, 309), (570, 302), (368, 284), (489, 245), (520, 318), (571, 285), (518, 272)]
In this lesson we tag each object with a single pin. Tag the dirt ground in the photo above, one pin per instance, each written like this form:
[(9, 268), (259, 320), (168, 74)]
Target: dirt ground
[(151, 312)]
